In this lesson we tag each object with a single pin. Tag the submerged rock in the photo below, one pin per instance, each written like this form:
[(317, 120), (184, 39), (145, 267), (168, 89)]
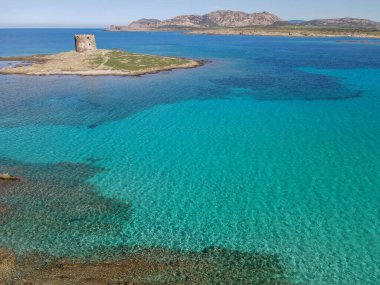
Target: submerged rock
[(147, 266), (7, 176), (7, 265)]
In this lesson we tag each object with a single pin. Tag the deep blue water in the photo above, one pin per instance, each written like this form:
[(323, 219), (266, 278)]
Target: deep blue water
[(272, 146)]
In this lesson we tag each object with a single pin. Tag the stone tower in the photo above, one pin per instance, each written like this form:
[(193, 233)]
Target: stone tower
[(84, 43)]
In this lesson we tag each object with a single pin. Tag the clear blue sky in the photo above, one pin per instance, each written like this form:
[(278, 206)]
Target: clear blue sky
[(101, 13)]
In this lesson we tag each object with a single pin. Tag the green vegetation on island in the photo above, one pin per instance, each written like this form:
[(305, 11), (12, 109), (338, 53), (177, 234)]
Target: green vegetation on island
[(125, 61)]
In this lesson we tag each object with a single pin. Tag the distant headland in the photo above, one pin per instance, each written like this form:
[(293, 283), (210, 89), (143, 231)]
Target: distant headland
[(88, 60), (227, 22)]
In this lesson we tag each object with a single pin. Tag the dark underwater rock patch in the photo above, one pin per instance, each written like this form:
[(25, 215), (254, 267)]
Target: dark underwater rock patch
[(92, 126), (5, 210), (54, 209), (151, 266), (291, 85)]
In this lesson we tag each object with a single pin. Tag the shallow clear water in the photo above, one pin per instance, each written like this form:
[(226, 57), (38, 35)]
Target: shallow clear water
[(271, 147)]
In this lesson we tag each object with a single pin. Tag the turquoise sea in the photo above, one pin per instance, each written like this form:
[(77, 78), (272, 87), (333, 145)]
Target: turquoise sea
[(272, 147)]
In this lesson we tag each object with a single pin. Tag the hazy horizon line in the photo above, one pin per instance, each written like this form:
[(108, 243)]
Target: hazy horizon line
[(106, 25)]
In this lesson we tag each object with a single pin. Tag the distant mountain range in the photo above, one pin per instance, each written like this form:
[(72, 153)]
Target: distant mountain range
[(344, 23), (214, 19), (237, 19)]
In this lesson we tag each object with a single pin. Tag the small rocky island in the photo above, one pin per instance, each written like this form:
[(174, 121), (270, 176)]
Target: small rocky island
[(88, 60)]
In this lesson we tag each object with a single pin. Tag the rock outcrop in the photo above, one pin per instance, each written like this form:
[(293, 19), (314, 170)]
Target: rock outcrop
[(144, 22), (7, 176), (221, 18), (241, 19)]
